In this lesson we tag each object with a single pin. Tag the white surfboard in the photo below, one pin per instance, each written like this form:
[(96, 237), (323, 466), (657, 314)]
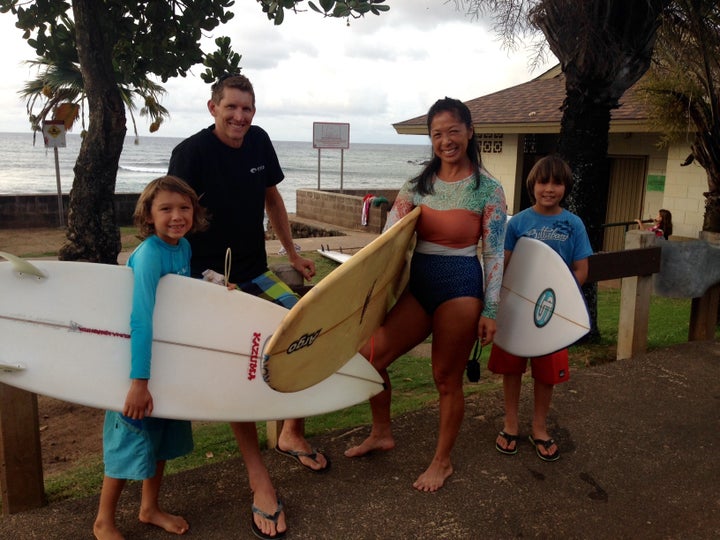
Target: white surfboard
[(64, 333), (337, 316), (542, 309), (334, 255)]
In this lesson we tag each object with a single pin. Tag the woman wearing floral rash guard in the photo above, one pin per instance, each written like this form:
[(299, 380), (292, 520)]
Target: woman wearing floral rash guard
[(461, 205)]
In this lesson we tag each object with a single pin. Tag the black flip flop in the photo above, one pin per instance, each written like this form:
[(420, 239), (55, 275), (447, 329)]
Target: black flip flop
[(547, 444), (274, 518), (295, 455), (509, 439)]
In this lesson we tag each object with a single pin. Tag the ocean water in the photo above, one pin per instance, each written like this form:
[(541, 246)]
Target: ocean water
[(28, 169)]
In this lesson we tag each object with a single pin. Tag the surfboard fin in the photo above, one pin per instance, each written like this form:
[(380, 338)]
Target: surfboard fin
[(22, 266), (11, 367)]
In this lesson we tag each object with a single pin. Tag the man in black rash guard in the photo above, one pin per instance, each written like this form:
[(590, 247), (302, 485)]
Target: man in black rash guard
[(234, 169)]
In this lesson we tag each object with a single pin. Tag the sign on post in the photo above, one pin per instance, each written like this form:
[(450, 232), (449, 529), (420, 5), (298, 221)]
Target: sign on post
[(54, 137), (331, 135)]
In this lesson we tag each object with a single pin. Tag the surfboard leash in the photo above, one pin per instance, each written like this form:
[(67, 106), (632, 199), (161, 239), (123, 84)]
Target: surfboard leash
[(473, 365)]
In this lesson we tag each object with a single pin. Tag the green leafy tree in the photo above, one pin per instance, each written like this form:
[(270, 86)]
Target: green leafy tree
[(128, 42), (604, 47), (683, 87)]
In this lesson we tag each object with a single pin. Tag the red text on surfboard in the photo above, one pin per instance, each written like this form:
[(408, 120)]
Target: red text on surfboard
[(254, 353), (304, 341)]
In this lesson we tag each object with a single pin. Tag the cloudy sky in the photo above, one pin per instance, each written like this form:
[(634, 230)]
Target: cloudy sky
[(377, 71)]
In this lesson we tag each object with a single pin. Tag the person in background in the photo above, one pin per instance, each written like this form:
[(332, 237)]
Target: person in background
[(233, 166), (461, 204), (548, 184), (135, 444), (662, 224)]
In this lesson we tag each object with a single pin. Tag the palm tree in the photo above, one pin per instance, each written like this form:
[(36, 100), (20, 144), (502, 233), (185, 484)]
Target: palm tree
[(683, 88), (604, 47), (58, 90)]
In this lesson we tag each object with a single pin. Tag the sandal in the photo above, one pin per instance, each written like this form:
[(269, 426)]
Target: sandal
[(509, 439), (274, 518), (537, 443)]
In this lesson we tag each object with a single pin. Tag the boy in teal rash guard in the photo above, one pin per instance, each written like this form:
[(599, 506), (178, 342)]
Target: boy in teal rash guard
[(136, 445)]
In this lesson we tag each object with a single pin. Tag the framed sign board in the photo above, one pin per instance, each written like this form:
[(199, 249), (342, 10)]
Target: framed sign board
[(331, 135)]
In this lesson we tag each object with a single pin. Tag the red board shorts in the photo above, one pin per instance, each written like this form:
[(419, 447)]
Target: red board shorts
[(549, 369)]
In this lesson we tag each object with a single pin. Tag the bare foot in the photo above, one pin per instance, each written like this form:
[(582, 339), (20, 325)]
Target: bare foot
[(268, 506), (370, 444), (434, 477), (171, 523), (103, 531)]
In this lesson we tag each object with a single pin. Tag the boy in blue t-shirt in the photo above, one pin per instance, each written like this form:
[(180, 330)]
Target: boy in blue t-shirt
[(548, 184)]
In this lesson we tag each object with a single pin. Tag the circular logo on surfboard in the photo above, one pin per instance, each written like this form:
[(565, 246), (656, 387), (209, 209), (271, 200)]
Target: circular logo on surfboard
[(544, 308)]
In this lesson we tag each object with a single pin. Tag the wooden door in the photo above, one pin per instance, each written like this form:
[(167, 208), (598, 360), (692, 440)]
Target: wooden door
[(625, 197)]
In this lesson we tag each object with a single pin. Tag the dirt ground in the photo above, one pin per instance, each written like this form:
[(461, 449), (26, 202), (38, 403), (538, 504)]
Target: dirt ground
[(34, 242)]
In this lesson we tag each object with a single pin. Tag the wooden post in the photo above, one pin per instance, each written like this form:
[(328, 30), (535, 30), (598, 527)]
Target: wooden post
[(295, 280), (21, 477), (703, 315), (704, 310), (634, 303), (272, 430)]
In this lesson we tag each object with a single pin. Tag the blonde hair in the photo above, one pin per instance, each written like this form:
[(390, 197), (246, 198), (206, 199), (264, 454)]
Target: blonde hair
[(143, 208)]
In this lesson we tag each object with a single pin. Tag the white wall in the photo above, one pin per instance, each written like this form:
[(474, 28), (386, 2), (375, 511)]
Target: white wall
[(684, 187), (504, 167)]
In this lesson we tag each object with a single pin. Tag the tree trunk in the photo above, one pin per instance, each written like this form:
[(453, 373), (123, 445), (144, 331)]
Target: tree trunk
[(707, 155), (93, 234), (711, 219), (584, 143)]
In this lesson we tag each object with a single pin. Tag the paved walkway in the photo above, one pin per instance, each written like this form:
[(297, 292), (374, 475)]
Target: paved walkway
[(640, 441)]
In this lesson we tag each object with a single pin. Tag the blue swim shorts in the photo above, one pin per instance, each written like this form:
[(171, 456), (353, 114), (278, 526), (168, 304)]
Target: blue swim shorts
[(132, 448), (435, 279)]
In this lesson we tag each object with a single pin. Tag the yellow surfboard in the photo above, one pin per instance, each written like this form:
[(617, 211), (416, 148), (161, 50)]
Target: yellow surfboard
[(337, 316)]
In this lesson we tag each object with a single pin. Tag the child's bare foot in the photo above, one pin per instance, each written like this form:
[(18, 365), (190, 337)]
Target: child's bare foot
[(434, 477), (171, 523), (370, 444), (106, 531)]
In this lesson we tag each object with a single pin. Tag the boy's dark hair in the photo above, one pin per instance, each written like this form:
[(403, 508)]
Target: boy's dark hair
[(423, 181), (232, 80), (166, 183), (552, 166)]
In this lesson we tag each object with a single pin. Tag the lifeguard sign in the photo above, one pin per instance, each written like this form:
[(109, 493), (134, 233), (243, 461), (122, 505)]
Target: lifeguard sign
[(54, 137), (331, 135)]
